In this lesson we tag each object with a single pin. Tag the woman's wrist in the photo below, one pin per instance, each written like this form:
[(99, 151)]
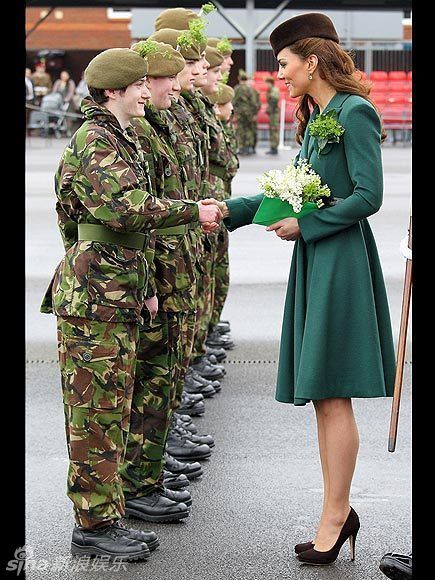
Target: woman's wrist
[(226, 211)]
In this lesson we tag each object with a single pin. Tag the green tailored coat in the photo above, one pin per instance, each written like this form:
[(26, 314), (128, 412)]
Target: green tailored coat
[(336, 335)]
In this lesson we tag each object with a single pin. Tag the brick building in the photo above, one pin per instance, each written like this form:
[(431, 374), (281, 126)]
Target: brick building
[(75, 36)]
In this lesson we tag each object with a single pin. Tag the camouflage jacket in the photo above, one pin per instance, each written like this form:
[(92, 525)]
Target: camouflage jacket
[(196, 107), (102, 179), (215, 140), (272, 101), (225, 161), (173, 265), (245, 101)]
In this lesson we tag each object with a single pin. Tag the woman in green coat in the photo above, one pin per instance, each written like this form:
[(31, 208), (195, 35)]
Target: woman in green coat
[(336, 338)]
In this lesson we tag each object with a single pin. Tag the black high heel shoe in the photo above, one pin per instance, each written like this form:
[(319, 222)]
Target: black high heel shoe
[(348, 531), (303, 547)]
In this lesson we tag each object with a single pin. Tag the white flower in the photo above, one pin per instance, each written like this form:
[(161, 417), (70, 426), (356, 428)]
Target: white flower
[(296, 184)]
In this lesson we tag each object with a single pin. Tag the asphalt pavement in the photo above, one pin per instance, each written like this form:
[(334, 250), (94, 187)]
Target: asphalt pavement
[(261, 491)]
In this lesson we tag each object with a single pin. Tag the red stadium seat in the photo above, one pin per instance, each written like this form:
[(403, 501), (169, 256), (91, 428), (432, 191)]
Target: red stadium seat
[(397, 116), (409, 75), (378, 75), (399, 98), (260, 75), (379, 98), (402, 86), (263, 97), (397, 75), (379, 86)]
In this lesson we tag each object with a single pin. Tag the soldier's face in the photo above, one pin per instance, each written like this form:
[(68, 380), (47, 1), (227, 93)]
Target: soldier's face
[(295, 72), (162, 91), (189, 74), (134, 98), (204, 65), (214, 75), (225, 111), (227, 64)]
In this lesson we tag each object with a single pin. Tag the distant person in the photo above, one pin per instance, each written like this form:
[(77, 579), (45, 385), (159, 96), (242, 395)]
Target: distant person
[(65, 86), (245, 110), (42, 82), (272, 111), (80, 93), (30, 93), (257, 101)]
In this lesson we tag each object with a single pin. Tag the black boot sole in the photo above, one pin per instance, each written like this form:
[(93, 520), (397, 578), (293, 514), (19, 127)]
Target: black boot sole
[(394, 573), (153, 545), (94, 551), (192, 474), (190, 458), (131, 512), (175, 484)]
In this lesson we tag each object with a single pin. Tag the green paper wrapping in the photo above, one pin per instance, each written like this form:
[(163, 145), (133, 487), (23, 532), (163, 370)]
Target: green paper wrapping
[(272, 209)]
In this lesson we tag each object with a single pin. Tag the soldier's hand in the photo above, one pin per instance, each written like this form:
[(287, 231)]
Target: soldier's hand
[(153, 305), (209, 213), (221, 205), (286, 229), (209, 227)]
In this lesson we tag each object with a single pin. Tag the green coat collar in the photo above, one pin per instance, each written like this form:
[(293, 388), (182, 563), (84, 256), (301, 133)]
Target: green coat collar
[(336, 103)]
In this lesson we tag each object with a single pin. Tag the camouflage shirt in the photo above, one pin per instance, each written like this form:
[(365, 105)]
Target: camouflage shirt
[(102, 179), (224, 163), (246, 101), (215, 139), (272, 101), (173, 265), (196, 107)]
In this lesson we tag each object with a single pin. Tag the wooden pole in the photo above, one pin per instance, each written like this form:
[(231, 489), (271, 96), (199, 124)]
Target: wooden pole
[(401, 348)]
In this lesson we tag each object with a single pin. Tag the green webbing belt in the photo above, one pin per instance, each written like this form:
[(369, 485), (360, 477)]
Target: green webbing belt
[(97, 233), (173, 231), (219, 171)]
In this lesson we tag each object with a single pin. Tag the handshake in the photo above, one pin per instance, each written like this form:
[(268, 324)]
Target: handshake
[(211, 213)]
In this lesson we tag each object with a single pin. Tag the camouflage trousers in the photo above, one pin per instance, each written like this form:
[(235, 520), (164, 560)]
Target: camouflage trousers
[(222, 276), (274, 130), (246, 132), (205, 294), (161, 358), (97, 363)]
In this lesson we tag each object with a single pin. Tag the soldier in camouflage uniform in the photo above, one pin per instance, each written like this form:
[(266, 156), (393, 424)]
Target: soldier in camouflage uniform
[(161, 349), (273, 112), (203, 115), (246, 106), (225, 165), (105, 214)]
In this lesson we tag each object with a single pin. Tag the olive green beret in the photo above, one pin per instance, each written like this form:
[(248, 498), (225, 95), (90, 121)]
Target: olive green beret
[(213, 56), (162, 59), (222, 44), (242, 75), (171, 36), (224, 94), (115, 68), (311, 25), (177, 18)]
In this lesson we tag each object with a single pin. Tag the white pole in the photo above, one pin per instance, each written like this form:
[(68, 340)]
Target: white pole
[(282, 124)]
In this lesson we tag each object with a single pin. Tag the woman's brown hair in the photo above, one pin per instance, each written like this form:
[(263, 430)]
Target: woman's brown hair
[(337, 68)]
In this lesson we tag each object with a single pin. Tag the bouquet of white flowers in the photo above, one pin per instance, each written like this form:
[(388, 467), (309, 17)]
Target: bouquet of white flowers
[(291, 192)]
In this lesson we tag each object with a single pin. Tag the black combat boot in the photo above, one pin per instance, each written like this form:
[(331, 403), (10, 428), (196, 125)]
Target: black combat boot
[(192, 386), (219, 353), (272, 151), (177, 427), (187, 423), (190, 406), (174, 481), (182, 496), (108, 541), (191, 470), (217, 340), (199, 379), (155, 507), (223, 326), (207, 370), (181, 447), (150, 538)]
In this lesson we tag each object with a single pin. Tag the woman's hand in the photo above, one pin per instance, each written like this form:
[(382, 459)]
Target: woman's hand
[(153, 305), (286, 229)]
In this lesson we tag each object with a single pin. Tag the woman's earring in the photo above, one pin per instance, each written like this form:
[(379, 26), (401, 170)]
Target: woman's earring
[(310, 77)]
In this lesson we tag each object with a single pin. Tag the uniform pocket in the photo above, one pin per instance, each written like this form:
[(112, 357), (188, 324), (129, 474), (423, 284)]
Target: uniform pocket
[(89, 373), (117, 276)]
